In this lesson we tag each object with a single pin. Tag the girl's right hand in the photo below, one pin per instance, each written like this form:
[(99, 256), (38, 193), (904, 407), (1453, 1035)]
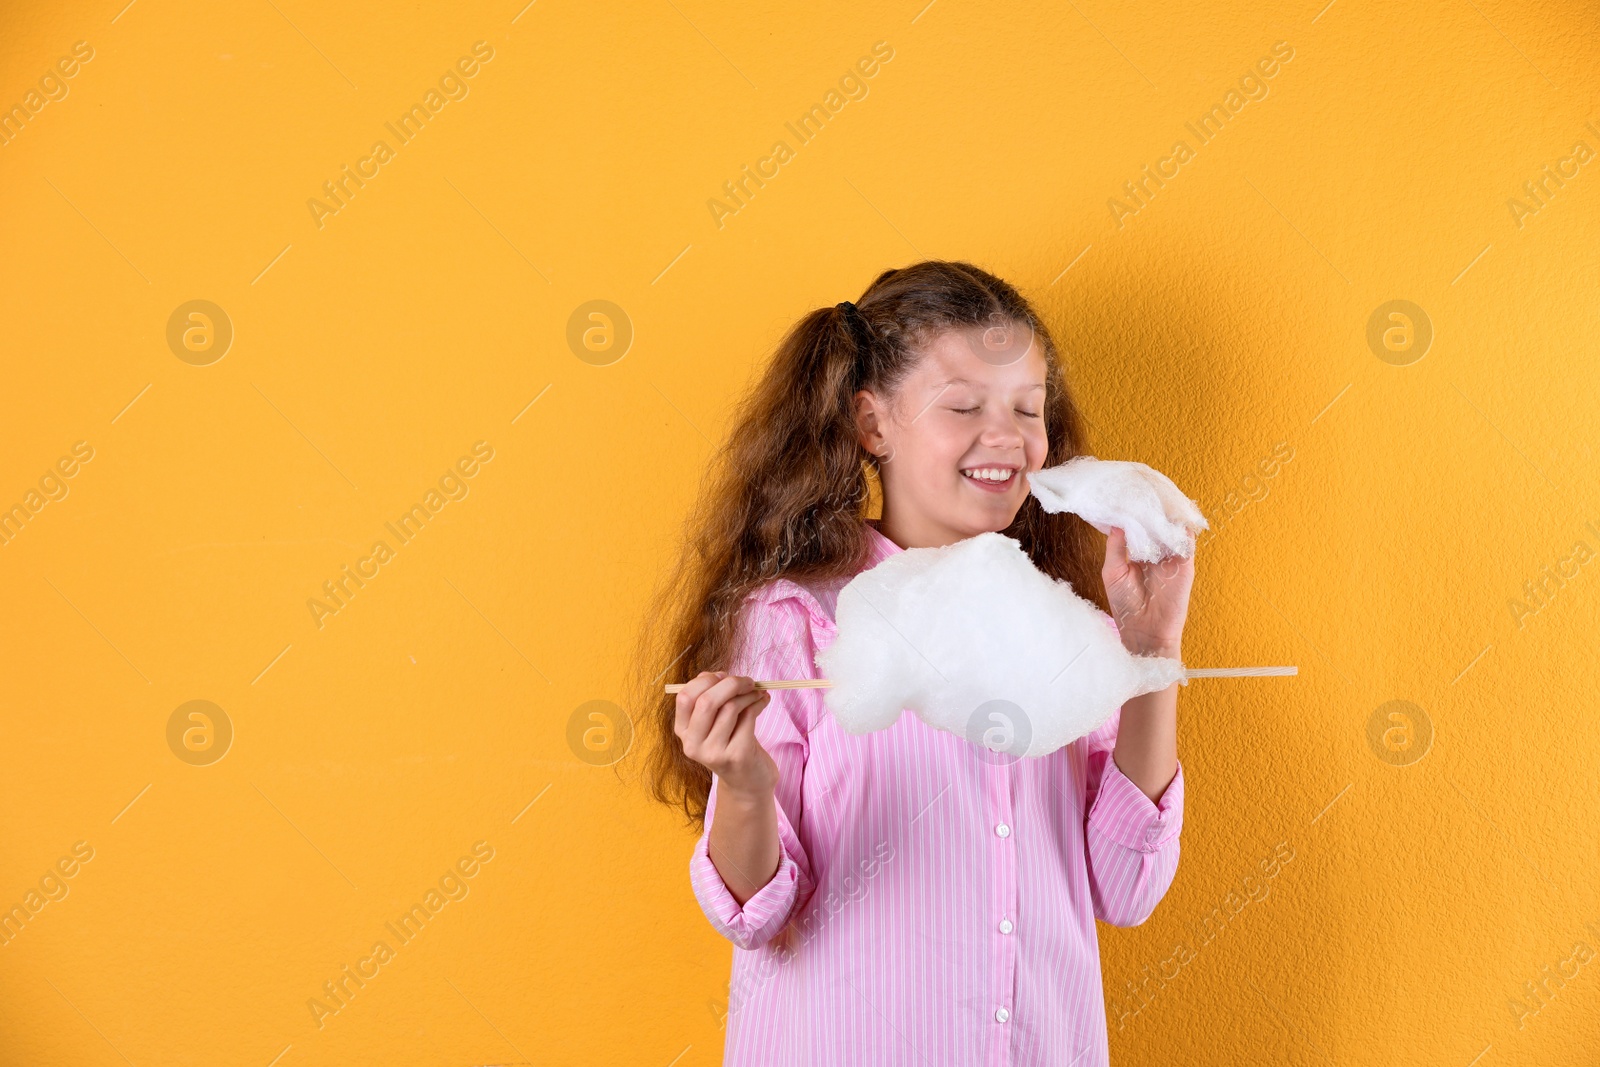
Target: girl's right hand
[(716, 722)]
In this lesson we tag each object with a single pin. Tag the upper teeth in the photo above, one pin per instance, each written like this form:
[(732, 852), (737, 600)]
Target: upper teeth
[(989, 474)]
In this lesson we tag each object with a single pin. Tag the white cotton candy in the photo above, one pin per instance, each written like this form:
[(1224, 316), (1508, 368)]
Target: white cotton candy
[(1157, 519), (978, 641)]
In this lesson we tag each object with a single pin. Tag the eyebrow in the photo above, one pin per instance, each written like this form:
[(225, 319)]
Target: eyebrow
[(966, 381)]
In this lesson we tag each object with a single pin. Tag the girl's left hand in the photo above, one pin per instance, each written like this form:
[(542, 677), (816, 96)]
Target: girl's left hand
[(1149, 601)]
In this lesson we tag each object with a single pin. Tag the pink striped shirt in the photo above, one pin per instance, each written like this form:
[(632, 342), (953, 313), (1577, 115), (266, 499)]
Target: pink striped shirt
[(931, 905)]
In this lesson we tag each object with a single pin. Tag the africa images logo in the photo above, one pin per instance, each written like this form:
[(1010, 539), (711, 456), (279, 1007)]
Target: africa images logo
[(453, 85)]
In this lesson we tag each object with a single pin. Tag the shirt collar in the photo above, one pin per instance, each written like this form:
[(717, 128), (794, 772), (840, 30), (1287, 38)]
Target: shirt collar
[(879, 547)]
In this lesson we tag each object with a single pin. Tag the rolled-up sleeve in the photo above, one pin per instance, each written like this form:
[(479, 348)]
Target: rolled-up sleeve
[(1131, 841), (776, 642)]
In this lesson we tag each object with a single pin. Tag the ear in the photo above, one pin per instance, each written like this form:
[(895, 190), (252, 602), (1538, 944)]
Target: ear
[(868, 411)]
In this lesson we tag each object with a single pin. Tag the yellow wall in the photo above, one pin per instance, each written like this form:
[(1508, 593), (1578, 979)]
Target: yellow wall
[(1222, 324)]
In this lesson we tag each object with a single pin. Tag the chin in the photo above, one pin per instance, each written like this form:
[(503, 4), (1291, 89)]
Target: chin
[(993, 523)]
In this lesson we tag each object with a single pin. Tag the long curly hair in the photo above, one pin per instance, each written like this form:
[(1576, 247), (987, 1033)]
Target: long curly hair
[(788, 494)]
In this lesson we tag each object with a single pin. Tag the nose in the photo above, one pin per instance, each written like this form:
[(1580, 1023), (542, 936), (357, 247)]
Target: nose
[(1001, 431)]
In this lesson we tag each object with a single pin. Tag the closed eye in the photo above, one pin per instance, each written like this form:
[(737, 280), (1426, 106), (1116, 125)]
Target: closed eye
[(970, 411), (965, 411)]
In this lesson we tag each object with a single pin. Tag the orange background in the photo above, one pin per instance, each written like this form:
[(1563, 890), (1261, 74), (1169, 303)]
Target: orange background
[(1380, 513)]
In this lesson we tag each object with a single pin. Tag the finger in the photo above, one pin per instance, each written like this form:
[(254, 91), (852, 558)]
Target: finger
[(705, 708), (721, 726), (695, 718), (1174, 572), (1172, 566), (728, 687), (1181, 583), (1116, 549), (728, 718), (744, 732), (684, 703)]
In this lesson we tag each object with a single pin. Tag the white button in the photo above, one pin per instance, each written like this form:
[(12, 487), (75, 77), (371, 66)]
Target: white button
[(1005, 926), (1004, 831), (1001, 1015)]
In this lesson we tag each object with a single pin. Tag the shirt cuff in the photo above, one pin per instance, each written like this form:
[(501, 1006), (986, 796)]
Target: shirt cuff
[(760, 918), (1122, 813)]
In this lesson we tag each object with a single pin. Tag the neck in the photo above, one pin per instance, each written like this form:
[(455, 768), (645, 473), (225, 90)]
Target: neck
[(914, 531)]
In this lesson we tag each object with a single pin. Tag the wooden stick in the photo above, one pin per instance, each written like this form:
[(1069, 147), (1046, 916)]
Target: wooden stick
[(1198, 672)]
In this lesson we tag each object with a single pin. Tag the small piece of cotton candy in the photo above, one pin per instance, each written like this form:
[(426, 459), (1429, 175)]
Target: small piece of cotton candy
[(978, 641), (1154, 515)]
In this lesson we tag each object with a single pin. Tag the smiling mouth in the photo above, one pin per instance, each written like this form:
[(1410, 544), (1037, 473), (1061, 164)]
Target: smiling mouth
[(991, 479)]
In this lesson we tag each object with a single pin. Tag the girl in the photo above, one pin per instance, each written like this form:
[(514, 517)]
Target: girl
[(906, 896)]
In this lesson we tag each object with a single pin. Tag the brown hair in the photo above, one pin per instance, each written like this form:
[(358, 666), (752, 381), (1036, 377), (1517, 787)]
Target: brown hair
[(789, 490)]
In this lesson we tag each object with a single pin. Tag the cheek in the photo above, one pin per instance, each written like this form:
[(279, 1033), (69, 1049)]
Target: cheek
[(937, 466), (934, 450), (1037, 447)]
